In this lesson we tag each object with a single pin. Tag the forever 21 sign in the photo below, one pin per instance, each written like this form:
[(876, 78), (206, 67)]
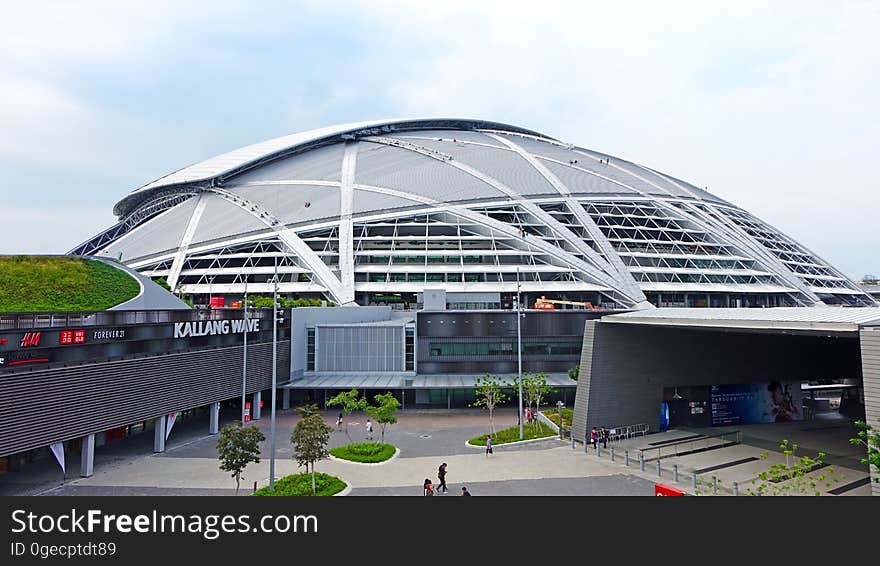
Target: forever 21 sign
[(212, 327)]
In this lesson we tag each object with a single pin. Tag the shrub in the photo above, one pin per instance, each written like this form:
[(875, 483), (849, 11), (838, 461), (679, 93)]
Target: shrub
[(566, 416), (300, 485), (512, 435), (364, 452)]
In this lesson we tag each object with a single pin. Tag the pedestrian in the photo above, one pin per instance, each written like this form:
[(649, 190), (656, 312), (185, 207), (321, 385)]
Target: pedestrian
[(594, 437), (488, 446), (339, 422), (465, 492), (428, 489), (604, 435), (441, 475), (369, 429)]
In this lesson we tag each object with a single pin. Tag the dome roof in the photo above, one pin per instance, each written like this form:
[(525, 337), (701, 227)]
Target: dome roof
[(371, 206)]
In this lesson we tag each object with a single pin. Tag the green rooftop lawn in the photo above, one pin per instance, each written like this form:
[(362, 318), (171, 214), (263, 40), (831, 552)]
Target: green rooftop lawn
[(49, 283)]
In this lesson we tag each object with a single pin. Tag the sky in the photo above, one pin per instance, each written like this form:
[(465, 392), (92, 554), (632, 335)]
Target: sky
[(771, 105)]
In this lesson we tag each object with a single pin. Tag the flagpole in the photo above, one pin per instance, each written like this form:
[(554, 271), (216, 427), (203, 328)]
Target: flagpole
[(274, 372)]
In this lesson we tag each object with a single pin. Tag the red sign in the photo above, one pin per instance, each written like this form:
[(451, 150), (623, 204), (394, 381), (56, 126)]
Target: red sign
[(662, 489), (31, 339), (3, 341), (72, 337), (218, 301)]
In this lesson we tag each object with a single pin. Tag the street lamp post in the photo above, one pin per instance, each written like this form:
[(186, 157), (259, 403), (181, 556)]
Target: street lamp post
[(274, 372), (519, 353), (244, 359)]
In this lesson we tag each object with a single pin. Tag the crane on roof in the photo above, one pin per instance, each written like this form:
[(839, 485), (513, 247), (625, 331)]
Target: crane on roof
[(543, 303)]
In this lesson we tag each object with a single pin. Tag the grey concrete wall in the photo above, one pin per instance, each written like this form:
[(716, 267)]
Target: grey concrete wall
[(41, 407), (624, 368), (308, 316), (582, 393), (869, 339)]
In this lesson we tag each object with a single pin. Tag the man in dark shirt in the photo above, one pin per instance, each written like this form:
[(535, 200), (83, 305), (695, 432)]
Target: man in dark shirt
[(441, 475)]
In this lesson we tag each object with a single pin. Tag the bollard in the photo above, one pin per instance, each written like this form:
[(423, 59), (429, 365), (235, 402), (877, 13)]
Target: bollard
[(714, 485), (586, 445), (572, 441), (675, 473), (255, 487), (735, 489), (612, 453), (598, 451), (641, 461), (694, 476), (626, 457), (658, 468)]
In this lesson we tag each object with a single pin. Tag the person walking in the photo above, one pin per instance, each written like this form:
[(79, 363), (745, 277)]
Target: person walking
[(441, 475), (594, 438), (465, 492), (339, 422), (488, 446), (428, 489), (604, 434), (369, 429)]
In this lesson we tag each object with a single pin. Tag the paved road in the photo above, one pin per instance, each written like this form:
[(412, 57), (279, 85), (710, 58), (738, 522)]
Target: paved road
[(425, 439)]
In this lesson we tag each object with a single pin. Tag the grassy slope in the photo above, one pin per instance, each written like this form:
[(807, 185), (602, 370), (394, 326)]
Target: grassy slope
[(34, 283)]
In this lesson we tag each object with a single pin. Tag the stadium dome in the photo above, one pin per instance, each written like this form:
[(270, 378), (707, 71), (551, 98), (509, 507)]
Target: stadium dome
[(378, 212)]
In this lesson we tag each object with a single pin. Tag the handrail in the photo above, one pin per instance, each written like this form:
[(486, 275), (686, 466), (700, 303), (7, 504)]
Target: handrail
[(737, 434)]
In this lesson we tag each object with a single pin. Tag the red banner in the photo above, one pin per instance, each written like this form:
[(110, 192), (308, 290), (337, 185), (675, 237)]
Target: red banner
[(218, 301)]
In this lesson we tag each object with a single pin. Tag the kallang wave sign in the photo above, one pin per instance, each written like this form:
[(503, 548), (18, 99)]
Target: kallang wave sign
[(214, 327)]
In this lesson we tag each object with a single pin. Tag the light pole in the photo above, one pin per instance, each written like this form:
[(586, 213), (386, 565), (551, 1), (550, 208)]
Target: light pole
[(274, 363), (244, 362), (519, 353)]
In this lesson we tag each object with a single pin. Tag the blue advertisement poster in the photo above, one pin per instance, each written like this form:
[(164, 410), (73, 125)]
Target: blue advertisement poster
[(750, 403)]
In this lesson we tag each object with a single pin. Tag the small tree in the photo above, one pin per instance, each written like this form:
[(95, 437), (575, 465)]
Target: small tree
[(350, 403), (792, 477), (869, 438), (308, 410), (535, 388), (237, 447), (385, 410), (490, 392), (309, 438), (574, 372)]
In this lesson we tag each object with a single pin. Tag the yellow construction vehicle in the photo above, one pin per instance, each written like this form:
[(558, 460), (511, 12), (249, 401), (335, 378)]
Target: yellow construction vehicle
[(544, 303)]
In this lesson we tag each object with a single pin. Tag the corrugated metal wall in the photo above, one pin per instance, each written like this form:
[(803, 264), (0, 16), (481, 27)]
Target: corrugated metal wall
[(42, 407), (359, 348), (870, 344)]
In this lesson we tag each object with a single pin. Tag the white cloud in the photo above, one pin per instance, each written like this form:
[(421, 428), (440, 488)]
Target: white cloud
[(48, 230), (772, 105)]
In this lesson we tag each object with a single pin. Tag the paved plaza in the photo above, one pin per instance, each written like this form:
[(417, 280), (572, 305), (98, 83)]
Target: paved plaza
[(425, 440)]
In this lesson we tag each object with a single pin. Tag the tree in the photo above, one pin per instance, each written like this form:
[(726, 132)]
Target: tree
[(309, 438), (534, 389), (870, 439), (574, 372), (385, 410), (793, 477), (350, 403), (308, 410), (490, 392), (162, 283), (237, 447)]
